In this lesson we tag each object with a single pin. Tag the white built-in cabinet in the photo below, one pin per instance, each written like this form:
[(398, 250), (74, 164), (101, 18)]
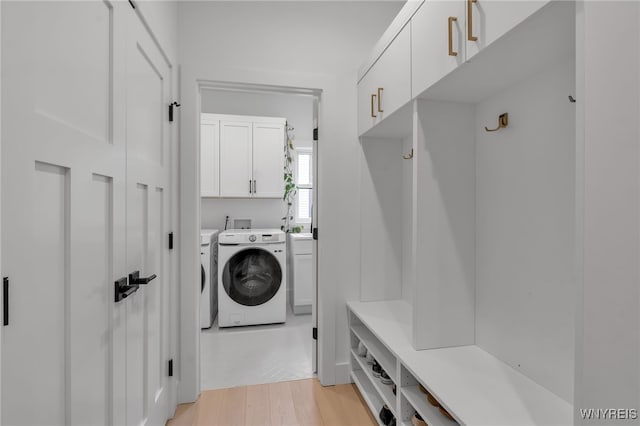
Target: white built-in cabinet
[(268, 159), (487, 21), (387, 85), (438, 42), (470, 233), (209, 156), (300, 272), (241, 156), (236, 159)]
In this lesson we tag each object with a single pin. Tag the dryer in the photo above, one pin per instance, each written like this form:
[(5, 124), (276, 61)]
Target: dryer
[(252, 277), (208, 277)]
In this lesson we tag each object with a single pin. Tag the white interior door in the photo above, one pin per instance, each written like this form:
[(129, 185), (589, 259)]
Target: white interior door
[(235, 159), (147, 342), (268, 160), (63, 189)]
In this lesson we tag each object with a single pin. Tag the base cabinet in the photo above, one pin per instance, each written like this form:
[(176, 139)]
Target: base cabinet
[(301, 272)]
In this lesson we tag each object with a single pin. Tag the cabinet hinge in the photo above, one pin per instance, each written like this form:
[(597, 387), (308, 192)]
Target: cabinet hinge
[(5, 301), (132, 4), (170, 240), (170, 368), (315, 333), (171, 105), (315, 233), (315, 134)]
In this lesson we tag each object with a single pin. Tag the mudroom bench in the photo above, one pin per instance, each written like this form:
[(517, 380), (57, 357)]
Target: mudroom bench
[(470, 384)]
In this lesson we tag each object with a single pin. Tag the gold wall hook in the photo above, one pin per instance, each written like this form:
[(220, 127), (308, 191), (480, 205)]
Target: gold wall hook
[(503, 122), (408, 157)]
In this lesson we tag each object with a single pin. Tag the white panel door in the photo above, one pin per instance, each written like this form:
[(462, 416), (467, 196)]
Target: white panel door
[(437, 42), (268, 160), (209, 157), (148, 82), (235, 159), (490, 19), (63, 204)]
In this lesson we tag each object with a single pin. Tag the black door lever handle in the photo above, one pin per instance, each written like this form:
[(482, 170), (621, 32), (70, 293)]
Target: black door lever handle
[(123, 290), (134, 278)]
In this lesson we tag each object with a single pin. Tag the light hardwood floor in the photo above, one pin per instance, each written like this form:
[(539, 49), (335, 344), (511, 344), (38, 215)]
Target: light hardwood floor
[(299, 402)]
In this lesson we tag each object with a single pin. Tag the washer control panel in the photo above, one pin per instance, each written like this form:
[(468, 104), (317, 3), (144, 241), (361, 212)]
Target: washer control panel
[(252, 236)]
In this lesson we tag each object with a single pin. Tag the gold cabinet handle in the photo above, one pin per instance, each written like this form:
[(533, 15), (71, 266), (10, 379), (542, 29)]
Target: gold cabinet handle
[(470, 35), (380, 99), (452, 19), (373, 114)]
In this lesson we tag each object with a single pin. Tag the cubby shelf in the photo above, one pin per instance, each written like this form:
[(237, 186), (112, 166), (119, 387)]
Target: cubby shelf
[(379, 352), (428, 412), (383, 390), (368, 392)]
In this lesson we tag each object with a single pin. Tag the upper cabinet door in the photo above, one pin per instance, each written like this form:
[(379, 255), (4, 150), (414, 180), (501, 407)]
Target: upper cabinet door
[(209, 157), (387, 85), (393, 75), (437, 42), (235, 159), (488, 20), (268, 160), (367, 105)]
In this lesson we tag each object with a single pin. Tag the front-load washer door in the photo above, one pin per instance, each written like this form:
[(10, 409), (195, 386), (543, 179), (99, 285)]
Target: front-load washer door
[(252, 277)]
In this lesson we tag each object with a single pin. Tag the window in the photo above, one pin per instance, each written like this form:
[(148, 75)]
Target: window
[(304, 180)]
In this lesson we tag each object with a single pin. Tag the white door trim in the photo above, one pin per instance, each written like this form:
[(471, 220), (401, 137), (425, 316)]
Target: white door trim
[(189, 385)]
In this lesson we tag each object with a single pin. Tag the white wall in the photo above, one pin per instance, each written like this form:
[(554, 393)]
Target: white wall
[(525, 228), (300, 44), (297, 109)]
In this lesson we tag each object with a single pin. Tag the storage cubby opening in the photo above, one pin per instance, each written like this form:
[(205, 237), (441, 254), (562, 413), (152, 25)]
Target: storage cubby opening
[(508, 256), (386, 226)]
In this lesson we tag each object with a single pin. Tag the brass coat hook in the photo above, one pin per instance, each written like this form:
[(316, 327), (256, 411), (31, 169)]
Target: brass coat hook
[(408, 157), (503, 122)]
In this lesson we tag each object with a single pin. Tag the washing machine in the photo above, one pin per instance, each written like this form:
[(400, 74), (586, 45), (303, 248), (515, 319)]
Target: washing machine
[(208, 277), (252, 277)]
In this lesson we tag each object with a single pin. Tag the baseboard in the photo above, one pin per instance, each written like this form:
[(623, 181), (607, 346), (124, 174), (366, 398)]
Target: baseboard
[(342, 373)]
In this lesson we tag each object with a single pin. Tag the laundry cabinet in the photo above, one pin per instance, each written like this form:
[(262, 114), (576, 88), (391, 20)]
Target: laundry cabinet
[(301, 272), (209, 156), (241, 156)]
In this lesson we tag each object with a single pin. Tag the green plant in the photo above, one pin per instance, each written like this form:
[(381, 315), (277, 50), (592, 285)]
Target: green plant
[(290, 187)]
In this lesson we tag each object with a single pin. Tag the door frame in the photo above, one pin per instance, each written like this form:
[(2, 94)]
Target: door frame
[(190, 243)]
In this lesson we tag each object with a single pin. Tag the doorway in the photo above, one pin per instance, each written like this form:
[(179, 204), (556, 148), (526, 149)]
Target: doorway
[(274, 349)]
